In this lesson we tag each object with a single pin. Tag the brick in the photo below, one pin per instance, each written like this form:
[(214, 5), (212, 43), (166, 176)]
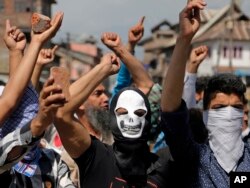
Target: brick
[(62, 78), (40, 23)]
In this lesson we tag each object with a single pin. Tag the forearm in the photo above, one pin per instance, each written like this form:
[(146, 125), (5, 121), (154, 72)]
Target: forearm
[(17, 83), (140, 77), (75, 138), (23, 73), (173, 83), (15, 57), (36, 75), (82, 88)]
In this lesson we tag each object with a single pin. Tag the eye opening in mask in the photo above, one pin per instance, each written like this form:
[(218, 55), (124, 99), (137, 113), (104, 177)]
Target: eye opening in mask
[(121, 111), (140, 112)]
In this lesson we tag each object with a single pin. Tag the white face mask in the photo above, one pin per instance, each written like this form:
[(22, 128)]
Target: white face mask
[(224, 129), (130, 124)]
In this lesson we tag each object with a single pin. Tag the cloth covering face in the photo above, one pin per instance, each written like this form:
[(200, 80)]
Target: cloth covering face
[(224, 128), (130, 130)]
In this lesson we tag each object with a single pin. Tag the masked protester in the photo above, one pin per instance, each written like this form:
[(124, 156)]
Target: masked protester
[(205, 165), (130, 126), (128, 162)]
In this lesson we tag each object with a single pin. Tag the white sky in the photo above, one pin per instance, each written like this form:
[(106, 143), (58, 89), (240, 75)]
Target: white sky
[(93, 17)]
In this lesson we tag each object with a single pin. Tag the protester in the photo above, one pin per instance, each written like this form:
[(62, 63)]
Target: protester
[(205, 165), (34, 170), (115, 165), (191, 94), (132, 72), (196, 57), (22, 140), (94, 115)]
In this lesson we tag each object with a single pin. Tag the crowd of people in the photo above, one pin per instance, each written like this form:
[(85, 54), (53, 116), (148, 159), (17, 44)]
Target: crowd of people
[(188, 132)]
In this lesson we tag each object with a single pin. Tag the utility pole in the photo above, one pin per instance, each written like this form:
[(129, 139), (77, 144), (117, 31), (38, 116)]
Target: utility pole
[(68, 50), (230, 27)]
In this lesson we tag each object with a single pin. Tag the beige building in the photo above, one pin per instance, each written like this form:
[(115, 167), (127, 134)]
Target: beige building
[(225, 31)]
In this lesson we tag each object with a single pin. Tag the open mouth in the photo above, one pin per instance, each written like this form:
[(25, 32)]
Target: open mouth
[(130, 129)]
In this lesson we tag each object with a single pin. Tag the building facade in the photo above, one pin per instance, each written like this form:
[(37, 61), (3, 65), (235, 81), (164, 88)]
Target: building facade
[(226, 32)]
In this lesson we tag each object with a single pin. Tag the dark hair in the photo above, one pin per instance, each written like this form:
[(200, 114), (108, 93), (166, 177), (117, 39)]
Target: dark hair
[(201, 83), (225, 83), (2, 83)]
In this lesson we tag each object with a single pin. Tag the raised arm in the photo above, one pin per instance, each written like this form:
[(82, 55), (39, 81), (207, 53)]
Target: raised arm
[(18, 81), (140, 77), (196, 57), (135, 34), (123, 78), (13, 146), (15, 41), (45, 57), (189, 19), (75, 138)]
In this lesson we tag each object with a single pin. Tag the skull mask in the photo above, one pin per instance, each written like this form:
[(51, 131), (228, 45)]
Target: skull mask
[(130, 114)]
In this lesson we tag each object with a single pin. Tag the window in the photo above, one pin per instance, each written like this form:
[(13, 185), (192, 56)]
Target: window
[(1, 5), (235, 53), (23, 6), (225, 52)]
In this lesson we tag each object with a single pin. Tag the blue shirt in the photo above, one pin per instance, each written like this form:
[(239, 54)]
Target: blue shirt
[(197, 157), (26, 110)]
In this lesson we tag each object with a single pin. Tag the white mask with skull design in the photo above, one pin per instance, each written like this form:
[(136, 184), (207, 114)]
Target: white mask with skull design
[(130, 114)]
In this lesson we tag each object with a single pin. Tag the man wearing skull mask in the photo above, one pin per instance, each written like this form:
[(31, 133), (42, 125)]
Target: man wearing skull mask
[(128, 162), (130, 113)]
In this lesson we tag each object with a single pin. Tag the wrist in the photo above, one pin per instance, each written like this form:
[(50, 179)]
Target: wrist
[(38, 126), (131, 47), (102, 70), (192, 70), (184, 39), (120, 50), (16, 52), (36, 41)]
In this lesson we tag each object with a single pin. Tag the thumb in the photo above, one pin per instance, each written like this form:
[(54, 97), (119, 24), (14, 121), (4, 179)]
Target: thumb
[(55, 48)]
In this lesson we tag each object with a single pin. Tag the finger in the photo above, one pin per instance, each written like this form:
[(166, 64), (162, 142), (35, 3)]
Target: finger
[(20, 36), (55, 99), (57, 21), (16, 32), (196, 4), (7, 25), (142, 20), (103, 36), (48, 82), (48, 53), (57, 105), (113, 57), (52, 89), (42, 52), (55, 48)]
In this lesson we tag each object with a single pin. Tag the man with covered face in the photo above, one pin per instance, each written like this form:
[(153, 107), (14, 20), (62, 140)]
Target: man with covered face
[(205, 165), (128, 162)]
